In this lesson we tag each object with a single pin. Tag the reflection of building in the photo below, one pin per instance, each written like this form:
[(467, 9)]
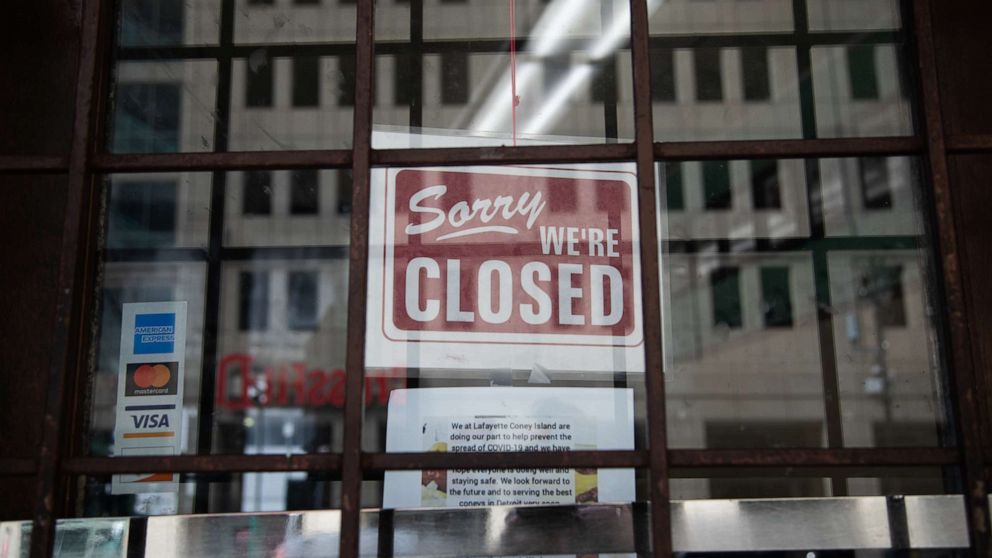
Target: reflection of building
[(757, 261)]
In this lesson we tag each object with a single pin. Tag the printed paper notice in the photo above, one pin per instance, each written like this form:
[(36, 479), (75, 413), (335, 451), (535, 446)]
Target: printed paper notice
[(459, 420)]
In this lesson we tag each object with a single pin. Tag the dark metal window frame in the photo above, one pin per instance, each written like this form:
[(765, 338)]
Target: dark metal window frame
[(60, 458)]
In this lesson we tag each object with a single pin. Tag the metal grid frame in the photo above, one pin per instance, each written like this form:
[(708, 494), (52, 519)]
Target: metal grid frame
[(60, 459)]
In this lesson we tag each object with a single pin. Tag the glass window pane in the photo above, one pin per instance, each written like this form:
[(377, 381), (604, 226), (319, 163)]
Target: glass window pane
[(148, 117), (716, 185), (859, 92), (725, 289), (158, 210), (306, 81), (303, 297), (862, 71), (454, 78), (143, 214), (754, 66), (291, 103), (662, 74), (568, 62), (725, 93), (737, 200), (751, 80), (268, 21), (304, 192), (253, 301), (843, 15), (776, 296), (280, 97), (871, 196), (704, 17), (162, 107), (674, 189), (148, 23), (277, 377), (754, 295), (883, 337), (257, 193), (765, 190), (302, 207), (708, 72)]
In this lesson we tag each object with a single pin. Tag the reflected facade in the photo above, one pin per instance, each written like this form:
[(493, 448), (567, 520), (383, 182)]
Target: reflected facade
[(796, 294)]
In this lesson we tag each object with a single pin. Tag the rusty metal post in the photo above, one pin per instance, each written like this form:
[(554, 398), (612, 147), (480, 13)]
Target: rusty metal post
[(654, 361), (351, 458)]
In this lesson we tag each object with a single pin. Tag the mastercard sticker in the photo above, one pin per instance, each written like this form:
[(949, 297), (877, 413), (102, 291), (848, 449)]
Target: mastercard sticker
[(152, 378)]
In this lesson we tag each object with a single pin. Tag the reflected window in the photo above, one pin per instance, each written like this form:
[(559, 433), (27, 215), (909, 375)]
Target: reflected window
[(257, 199), (304, 193), (404, 84), (258, 82), (765, 188), (882, 288), (153, 22), (253, 301), (555, 69), (716, 185), (146, 118), (142, 214), (662, 62), (346, 80), (725, 286), (260, 2), (306, 2), (876, 192), (754, 67), (709, 80), (603, 87), (454, 78), (302, 306), (776, 299), (862, 72), (344, 191), (674, 191), (306, 81)]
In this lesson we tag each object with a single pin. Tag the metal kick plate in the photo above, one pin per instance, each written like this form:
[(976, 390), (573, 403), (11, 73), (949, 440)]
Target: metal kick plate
[(918, 522)]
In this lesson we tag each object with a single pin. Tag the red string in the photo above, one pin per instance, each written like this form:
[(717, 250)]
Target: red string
[(513, 70)]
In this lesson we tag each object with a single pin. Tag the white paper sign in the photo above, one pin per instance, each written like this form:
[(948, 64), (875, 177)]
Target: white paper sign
[(504, 267), (496, 419), (150, 390)]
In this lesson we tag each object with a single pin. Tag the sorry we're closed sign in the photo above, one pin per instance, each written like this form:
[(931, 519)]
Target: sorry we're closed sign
[(504, 267)]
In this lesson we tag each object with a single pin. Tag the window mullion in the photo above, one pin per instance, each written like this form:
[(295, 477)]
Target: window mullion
[(351, 466), (650, 285)]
